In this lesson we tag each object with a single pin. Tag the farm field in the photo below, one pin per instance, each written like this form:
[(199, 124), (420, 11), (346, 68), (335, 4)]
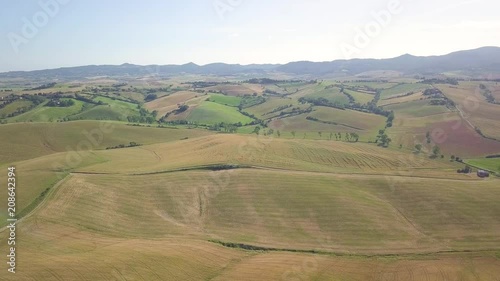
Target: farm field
[(402, 89), (168, 103), (212, 113), (474, 106), (165, 191), (49, 114), (356, 205), (23, 141), (490, 164)]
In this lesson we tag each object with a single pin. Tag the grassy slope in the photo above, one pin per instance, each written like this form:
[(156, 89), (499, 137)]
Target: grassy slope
[(12, 107), (48, 114), (29, 140), (318, 156), (211, 113), (492, 164), (225, 100), (106, 216)]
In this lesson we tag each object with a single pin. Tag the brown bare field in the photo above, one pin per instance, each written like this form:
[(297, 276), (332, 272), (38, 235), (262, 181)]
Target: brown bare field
[(166, 104), (80, 255)]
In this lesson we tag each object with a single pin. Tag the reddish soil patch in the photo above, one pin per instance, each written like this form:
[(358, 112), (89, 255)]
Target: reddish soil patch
[(458, 138)]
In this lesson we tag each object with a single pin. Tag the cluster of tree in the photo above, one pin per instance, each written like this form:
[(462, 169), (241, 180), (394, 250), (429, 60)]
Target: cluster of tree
[(42, 87), (390, 118), (181, 108), (251, 100), (204, 84), (272, 93), (225, 127), (349, 96), (433, 93), (383, 139), (349, 137), (493, 156), (279, 108), (144, 116), (268, 81), (294, 112), (431, 81), (257, 130), (60, 103), (428, 137), (88, 100), (321, 102), (179, 122), (131, 144), (150, 97), (466, 170), (119, 85), (436, 151), (487, 94), (141, 119)]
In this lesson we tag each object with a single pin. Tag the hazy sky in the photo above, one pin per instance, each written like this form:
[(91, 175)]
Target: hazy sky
[(59, 33)]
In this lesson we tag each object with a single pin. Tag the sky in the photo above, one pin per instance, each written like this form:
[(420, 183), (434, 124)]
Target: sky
[(41, 34)]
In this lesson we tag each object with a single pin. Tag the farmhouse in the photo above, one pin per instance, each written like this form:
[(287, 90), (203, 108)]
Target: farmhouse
[(483, 174)]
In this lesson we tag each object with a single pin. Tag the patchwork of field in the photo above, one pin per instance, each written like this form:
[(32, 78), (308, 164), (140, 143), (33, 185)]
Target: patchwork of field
[(475, 108), (290, 201)]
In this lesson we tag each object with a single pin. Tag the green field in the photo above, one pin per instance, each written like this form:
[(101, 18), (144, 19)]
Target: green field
[(362, 98), (212, 113), (331, 94), (44, 113), (226, 100), (490, 164), (12, 107), (402, 89)]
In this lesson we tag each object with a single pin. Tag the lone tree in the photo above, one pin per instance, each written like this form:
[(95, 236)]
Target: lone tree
[(418, 148), (256, 130), (435, 151), (293, 134), (428, 137), (383, 139)]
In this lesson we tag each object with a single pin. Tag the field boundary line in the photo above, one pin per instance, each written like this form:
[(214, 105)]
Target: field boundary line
[(53, 189), (253, 248)]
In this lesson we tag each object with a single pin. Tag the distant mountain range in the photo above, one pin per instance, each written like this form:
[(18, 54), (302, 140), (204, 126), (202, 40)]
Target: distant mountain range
[(486, 59)]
